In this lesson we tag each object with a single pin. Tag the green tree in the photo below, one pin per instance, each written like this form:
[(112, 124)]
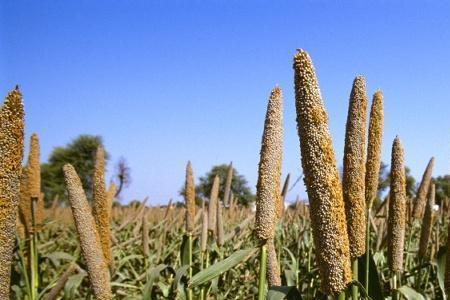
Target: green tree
[(80, 152), (442, 188), (239, 185)]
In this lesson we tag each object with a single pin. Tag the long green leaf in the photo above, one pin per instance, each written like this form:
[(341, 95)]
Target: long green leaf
[(283, 292), (375, 288), (410, 293), (221, 267)]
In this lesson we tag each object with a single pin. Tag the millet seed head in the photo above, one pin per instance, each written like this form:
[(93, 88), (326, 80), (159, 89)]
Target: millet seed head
[(189, 198), (374, 148), (427, 224), (85, 224), (273, 270), (321, 180), (397, 209), (228, 180), (100, 205), (354, 168), (212, 206), (11, 153), (268, 194), (419, 203), (34, 167), (220, 232), (204, 237), (25, 201)]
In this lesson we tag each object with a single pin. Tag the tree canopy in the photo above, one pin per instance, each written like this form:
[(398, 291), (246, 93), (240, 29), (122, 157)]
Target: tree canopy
[(80, 152), (239, 185)]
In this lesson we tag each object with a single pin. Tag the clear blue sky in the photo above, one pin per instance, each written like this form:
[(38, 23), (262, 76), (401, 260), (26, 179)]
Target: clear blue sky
[(167, 81)]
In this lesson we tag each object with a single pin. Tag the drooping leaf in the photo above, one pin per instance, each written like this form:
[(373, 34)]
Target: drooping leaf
[(221, 267), (283, 292), (410, 293)]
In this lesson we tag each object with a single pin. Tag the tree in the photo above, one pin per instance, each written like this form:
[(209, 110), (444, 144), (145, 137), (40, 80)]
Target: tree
[(442, 184), (239, 185), (123, 176), (80, 152)]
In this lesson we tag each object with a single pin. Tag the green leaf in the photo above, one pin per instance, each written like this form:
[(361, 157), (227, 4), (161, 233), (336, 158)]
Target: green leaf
[(221, 267), (72, 285), (55, 257), (440, 262), (375, 288), (283, 292), (410, 293), (184, 251), (178, 284), (153, 275)]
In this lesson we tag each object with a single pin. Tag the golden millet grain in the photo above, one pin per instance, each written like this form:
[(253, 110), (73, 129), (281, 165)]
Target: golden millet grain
[(427, 224), (228, 180), (189, 199), (100, 205), (212, 206), (11, 153), (419, 204), (268, 195), (273, 271), (204, 237), (321, 180), (374, 148), (354, 168), (397, 209), (25, 201), (220, 233), (34, 168), (91, 248)]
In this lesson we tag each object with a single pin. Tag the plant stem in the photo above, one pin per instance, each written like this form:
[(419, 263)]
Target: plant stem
[(33, 253), (190, 263), (395, 294), (366, 282), (355, 277), (341, 296), (262, 272)]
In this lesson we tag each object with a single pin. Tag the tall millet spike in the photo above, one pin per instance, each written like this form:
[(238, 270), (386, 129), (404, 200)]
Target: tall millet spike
[(25, 201), (11, 153), (91, 248), (204, 237), (397, 209), (273, 271), (374, 148), (34, 168), (220, 232), (355, 169), (419, 203), (268, 195), (212, 206), (100, 205), (228, 180), (321, 179), (189, 199), (427, 224)]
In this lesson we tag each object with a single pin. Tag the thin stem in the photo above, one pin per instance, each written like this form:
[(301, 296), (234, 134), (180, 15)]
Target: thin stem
[(202, 290), (366, 282), (34, 253), (355, 277), (262, 273), (395, 294), (341, 296), (190, 263)]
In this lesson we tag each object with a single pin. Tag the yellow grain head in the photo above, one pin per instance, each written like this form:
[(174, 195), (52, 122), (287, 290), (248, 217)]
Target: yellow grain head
[(268, 195), (189, 199), (228, 180), (374, 148), (85, 224), (34, 167), (321, 178), (427, 224), (355, 169), (11, 152), (25, 201), (212, 206), (204, 237), (110, 194), (100, 205), (397, 209), (220, 232), (273, 271), (419, 204)]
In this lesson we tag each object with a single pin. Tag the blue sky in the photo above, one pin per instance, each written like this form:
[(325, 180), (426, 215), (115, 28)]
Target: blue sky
[(168, 81)]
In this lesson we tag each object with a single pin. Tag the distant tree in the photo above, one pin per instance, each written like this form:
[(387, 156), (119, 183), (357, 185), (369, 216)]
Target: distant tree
[(81, 154), (442, 188), (123, 176), (239, 185)]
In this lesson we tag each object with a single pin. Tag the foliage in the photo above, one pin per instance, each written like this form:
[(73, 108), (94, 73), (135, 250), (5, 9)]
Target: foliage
[(80, 152), (239, 185), (442, 188)]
